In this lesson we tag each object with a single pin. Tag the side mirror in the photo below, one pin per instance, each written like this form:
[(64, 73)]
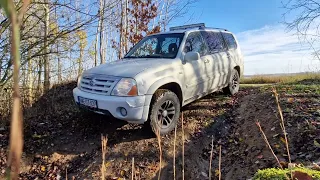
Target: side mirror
[(191, 56)]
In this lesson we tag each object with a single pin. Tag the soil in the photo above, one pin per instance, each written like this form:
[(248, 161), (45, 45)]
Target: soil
[(62, 141)]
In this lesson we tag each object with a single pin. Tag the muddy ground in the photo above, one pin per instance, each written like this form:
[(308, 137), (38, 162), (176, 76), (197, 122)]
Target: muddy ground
[(61, 141)]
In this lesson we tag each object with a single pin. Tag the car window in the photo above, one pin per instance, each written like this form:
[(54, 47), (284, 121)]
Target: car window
[(230, 40), (147, 48), (170, 45), (157, 46), (195, 43), (214, 41)]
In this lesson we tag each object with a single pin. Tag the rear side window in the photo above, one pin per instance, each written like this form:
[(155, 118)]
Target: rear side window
[(214, 41), (231, 42), (194, 43)]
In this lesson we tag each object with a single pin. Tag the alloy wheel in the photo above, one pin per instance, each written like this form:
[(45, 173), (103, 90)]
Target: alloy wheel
[(166, 113)]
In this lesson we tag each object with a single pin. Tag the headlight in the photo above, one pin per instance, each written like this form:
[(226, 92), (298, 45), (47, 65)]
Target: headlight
[(125, 87), (79, 81)]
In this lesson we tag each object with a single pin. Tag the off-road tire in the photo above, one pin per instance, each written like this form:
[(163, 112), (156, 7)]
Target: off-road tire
[(233, 88), (159, 98)]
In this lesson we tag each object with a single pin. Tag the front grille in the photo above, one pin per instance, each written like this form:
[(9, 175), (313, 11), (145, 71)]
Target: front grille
[(98, 84)]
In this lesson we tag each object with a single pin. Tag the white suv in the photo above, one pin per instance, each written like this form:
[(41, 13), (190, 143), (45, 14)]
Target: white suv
[(162, 73)]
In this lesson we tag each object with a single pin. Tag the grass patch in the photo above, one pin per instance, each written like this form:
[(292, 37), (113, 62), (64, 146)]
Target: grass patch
[(295, 78), (283, 174), (300, 88)]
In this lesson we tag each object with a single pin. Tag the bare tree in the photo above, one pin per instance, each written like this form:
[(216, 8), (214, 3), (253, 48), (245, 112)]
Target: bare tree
[(101, 29), (307, 23), (16, 133), (46, 61), (121, 30)]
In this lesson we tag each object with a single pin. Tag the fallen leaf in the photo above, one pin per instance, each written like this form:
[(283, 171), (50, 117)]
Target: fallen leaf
[(301, 176), (283, 140), (316, 143), (107, 164), (290, 100), (217, 172), (122, 172), (260, 156), (43, 168)]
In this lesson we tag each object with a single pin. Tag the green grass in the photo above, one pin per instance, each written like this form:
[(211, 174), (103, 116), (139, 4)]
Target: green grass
[(296, 78), (300, 88), (283, 174)]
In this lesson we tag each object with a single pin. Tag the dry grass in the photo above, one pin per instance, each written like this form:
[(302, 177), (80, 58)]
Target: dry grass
[(263, 79), (210, 162), (220, 162), (283, 127), (182, 146), (104, 141), (268, 144), (174, 152), (133, 171), (160, 153)]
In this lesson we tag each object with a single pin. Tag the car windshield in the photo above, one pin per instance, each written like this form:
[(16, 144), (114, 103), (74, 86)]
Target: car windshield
[(157, 46)]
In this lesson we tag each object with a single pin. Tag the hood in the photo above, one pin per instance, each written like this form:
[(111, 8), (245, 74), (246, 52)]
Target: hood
[(126, 67)]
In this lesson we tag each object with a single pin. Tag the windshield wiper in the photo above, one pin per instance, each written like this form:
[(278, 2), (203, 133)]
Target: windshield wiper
[(152, 56), (147, 56), (131, 57)]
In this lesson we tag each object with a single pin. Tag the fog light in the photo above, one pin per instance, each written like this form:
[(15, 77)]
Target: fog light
[(123, 111)]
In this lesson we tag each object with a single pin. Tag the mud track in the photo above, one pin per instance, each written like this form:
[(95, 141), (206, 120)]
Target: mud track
[(62, 141)]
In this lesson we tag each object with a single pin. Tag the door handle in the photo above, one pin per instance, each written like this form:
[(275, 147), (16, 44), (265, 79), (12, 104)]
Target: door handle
[(206, 61)]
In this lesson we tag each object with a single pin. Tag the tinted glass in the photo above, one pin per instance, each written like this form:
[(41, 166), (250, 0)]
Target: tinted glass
[(231, 42), (214, 41), (194, 43), (157, 46)]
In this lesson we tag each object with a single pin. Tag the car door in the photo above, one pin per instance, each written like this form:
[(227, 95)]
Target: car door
[(216, 60), (194, 71), (233, 51)]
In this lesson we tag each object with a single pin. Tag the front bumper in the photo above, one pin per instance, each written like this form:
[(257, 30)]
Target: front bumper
[(137, 107)]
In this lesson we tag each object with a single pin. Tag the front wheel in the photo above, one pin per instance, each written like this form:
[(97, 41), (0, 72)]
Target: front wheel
[(164, 112), (234, 83)]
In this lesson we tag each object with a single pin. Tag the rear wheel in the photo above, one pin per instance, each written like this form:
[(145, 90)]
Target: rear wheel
[(234, 83), (164, 112)]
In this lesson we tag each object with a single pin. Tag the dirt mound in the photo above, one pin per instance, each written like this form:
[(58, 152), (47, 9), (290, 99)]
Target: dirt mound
[(59, 138)]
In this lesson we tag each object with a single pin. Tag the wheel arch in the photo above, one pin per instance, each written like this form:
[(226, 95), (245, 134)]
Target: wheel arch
[(169, 84), (238, 69)]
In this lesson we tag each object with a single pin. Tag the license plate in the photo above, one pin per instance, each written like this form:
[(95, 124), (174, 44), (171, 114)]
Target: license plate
[(88, 102)]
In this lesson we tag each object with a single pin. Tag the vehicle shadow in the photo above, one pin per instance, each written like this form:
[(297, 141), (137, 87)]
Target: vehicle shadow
[(54, 124)]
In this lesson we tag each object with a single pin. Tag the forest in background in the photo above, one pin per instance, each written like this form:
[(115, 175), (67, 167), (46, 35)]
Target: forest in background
[(61, 38)]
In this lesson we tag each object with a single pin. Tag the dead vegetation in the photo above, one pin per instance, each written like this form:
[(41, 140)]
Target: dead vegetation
[(290, 78), (62, 141)]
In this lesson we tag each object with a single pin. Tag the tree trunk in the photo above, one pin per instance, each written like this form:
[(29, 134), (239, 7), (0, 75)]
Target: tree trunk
[(57, 48), (102, 40), (46, 55), (59, 66), (107, 42), (0, 68), (126, 28), (121, 32), (166, 16), (39, 77), (80, 62), (30, 80), (96, 45)]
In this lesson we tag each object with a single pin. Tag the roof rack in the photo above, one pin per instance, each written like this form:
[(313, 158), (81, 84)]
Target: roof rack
[(218, 29), (192, 26), (200, 25)]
